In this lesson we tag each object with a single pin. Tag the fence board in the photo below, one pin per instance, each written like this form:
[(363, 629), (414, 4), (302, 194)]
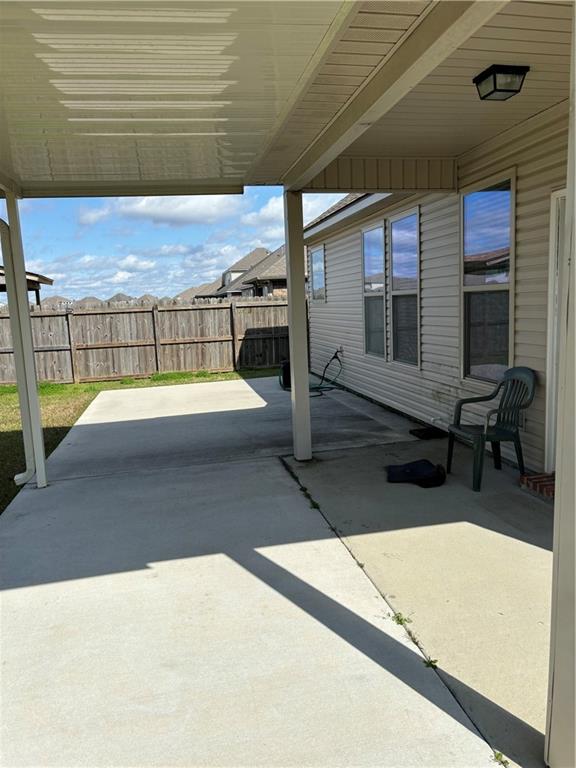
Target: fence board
[(104, 344)]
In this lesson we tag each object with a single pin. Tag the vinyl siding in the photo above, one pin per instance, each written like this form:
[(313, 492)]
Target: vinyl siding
[(537, 155)]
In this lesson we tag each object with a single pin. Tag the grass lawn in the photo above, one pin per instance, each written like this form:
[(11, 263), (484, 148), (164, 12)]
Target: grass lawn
[(62, 404)]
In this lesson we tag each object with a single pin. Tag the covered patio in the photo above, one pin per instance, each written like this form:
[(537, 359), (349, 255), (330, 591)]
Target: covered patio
[(188, 604), (139, 99)]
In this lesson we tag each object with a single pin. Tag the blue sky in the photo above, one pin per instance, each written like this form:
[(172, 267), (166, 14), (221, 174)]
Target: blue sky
[(158, 245)]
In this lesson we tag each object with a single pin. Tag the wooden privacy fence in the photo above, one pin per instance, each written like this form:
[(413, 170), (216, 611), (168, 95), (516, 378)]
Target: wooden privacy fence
[(95, 345)]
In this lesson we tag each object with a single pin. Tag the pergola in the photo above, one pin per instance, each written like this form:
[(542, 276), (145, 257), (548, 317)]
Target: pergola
[(143, 97), (34, 281)]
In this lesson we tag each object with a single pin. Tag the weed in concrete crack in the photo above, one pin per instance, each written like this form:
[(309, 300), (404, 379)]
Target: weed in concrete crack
[(499, 758), (313, 504), (400, 619), (412, 636), (432, 663)]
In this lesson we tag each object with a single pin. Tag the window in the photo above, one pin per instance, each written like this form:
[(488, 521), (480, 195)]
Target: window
[(404, 257), (486, 323), (487, 236), (318, 274), (487, 216), (373, 286)]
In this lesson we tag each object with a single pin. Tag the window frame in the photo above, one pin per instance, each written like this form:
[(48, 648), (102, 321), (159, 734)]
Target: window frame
[(310, 250), (487, 181), (379, 224), (415, 210)]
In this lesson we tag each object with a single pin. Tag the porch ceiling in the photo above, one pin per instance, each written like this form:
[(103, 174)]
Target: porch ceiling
[(141, 97), (443, 116), (116, 93)]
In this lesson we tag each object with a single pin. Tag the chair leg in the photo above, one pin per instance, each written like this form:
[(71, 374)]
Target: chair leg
[(497, 455), (478, 463), (519, 454), (450, 453)]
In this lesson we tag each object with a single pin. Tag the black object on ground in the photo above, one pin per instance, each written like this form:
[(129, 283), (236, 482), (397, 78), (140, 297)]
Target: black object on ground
[(421, 472), (316, 390), (428, 433)]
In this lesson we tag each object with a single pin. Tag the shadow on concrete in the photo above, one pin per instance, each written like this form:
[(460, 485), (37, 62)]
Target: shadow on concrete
[(125, 522), (510, 735)]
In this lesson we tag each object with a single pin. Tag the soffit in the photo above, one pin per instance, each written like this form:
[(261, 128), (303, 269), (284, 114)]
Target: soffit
[(443, 116), (367, 43), (115, 92)]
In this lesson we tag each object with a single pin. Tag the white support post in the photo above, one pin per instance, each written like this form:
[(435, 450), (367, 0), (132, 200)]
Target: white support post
[(560, 750), (298, 326), (18, 307)]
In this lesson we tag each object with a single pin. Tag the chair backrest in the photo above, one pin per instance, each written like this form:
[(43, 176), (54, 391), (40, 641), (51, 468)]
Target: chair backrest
[(519, 386)]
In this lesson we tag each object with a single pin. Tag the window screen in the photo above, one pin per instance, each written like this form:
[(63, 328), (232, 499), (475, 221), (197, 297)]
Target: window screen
[(405, 328), (486, 328), (374, 324)]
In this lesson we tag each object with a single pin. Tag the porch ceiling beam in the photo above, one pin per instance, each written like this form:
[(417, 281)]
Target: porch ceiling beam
[(379, 174), (341, 21), (126, 189), (443, 30)]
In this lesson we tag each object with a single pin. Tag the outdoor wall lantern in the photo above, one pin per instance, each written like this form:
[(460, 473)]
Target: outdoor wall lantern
[(500, 82)]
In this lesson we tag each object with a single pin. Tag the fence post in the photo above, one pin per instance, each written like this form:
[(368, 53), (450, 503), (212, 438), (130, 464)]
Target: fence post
[(73, 349), (234, 334), (157, 344)]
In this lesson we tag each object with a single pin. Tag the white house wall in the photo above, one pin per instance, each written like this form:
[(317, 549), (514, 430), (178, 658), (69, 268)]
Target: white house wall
[(538, 156)]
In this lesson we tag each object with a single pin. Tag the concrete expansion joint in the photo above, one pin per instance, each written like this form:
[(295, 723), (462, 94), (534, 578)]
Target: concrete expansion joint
[(393, 614)]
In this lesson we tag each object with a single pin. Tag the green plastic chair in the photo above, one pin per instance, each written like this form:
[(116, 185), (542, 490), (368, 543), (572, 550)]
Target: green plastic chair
[(518, 387)]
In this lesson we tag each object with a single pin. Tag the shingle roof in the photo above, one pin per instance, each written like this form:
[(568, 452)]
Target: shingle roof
[(255, 258), (206, 289), (273, 266), (343, 203), (250, 260)]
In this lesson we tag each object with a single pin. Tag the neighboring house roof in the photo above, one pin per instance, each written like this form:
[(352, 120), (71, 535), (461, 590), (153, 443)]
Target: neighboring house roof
[(56, 301), (345, 201), (273, 267), (87, 302), (120, 297), (216, 288), (247, 265), (248, 261), (205, 290)]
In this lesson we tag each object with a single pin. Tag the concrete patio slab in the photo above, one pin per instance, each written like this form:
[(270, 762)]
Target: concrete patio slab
[(206, 617), (472, 572), (204, 614), (177, 426)]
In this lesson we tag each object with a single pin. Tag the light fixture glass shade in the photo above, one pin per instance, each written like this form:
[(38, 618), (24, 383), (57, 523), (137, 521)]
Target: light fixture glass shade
[(500, 82)]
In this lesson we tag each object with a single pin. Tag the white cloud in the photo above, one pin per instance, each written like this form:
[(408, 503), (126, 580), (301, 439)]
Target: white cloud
[(120, 277), (89, 216), (272, 213), (269, 219), (175, 211), (133, 262)]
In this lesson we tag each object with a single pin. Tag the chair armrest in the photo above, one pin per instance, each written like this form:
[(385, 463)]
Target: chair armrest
[(492, 412), (467, 400)]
